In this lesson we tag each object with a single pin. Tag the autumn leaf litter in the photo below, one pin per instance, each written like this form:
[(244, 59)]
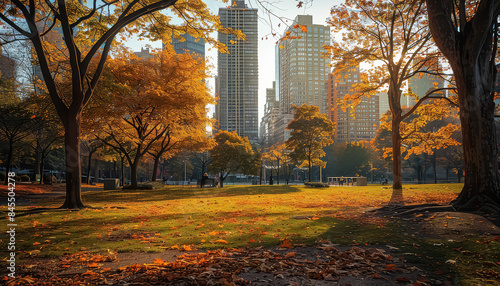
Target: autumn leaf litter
[(290, 264)]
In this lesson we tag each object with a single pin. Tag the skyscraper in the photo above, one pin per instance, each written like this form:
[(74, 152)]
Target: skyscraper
[(302, 69), (364, 124), (271, 112), (190, 45), (237, 81)]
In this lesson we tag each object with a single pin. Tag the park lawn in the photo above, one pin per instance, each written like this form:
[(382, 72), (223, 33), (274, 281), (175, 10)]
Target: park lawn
[(247, 216)]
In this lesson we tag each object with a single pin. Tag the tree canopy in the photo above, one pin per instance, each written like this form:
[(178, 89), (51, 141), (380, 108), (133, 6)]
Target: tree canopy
[(393, 37), (311, 131), (77, 36), (233, 154), (150, 105)]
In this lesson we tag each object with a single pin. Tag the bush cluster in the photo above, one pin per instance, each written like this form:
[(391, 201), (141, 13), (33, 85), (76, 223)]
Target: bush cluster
[(316, 185)]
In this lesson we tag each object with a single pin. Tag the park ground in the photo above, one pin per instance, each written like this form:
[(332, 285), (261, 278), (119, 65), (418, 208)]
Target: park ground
[(242, 235)]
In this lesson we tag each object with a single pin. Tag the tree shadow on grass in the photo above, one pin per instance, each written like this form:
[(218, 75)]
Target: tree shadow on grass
[(179, 193), (164, 194)]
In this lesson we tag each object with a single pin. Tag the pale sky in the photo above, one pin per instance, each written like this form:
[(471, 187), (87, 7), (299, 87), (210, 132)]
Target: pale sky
[(286, 9)]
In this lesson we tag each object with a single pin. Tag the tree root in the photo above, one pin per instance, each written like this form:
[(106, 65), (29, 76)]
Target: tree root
[(21, 213), (479, 203), (409, 210)]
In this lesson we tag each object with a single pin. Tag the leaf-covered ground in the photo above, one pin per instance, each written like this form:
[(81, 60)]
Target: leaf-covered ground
[(279, 235)]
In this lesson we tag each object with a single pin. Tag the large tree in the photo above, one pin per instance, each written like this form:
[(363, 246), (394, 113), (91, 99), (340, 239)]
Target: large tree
[(393, 37), (85, 34), (310, 132), (150, 105), (232, 155), (16, 123), (467, 33)]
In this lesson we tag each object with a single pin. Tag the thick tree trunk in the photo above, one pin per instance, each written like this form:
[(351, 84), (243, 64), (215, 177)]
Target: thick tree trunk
[(471, 50), (73, 163), (482, 183)]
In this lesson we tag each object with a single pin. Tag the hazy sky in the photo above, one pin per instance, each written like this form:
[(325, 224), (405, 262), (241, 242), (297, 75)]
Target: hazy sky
[(286, 9)]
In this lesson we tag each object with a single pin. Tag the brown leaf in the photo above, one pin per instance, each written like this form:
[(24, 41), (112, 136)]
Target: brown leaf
[(390, 267), (286, 244)]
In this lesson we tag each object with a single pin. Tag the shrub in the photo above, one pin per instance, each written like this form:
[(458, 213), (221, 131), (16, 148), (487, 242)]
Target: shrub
[(316, 185)]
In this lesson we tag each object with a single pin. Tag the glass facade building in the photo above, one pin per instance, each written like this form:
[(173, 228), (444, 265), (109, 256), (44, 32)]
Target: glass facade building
[(237, 79)]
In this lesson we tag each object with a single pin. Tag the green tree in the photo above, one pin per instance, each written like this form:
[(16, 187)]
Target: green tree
[(467, 33), (311, 131), (233, 154), (16, 123), (348, 159)]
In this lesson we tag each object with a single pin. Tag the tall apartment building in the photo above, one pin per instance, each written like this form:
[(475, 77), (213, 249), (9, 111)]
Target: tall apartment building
[(237, 81), (383, 103), (301, 70), (420, 84), (353, 125), (271, 113)]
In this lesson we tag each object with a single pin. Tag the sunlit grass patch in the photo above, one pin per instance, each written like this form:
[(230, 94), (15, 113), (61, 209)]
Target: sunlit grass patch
[(153, 220)]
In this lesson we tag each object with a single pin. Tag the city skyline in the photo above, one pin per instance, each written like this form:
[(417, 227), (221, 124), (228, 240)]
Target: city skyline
[(266, 41)]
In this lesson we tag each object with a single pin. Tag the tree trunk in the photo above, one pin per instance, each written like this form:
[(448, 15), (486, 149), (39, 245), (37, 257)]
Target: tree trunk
[(155, 168), (221, 179), (397, 183), (36, 167), (73, 162), (482, 183), (123, 170), (42, 169), (278, 171), (309, 171), (88, 168), (434, 167), (419, 173), (471, 50), (133, 174), (9, 161)]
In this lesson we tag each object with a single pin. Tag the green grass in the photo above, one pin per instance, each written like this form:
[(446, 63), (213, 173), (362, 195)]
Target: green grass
[(177, 217)]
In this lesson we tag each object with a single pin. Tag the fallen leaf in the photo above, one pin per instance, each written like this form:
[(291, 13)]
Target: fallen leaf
[(390, 267), (93, 265), (286, 244), (220, 241)]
